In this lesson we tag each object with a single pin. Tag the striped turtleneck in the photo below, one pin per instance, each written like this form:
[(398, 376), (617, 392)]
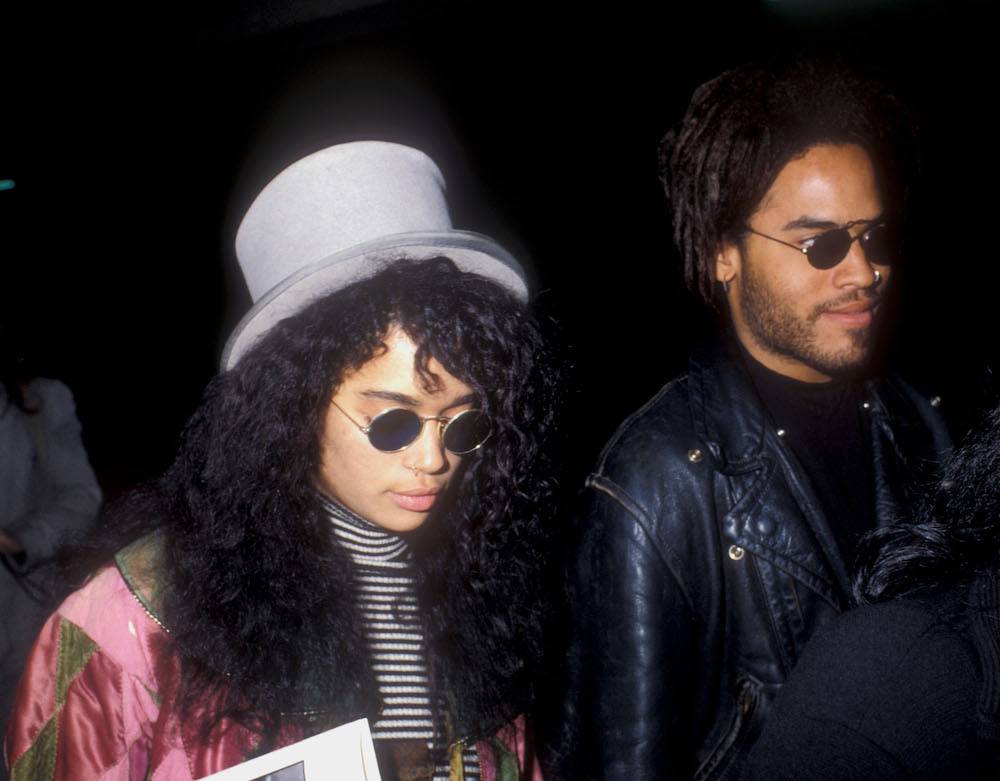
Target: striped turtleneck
[(385, 592)]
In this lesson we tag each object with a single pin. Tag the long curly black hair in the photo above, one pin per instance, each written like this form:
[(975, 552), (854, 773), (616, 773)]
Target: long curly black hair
[(258, 596), (956, 534), (742, 127)]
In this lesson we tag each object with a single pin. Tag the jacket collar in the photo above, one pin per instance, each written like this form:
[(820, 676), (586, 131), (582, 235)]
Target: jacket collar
[(728, 416)]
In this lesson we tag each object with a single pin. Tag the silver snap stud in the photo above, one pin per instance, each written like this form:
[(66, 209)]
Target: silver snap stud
[(866, 405), (781, 432), (736, 552), (935, 401), (695, 456)]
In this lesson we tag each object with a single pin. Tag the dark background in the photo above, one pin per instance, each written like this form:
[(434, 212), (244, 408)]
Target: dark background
[(137, 135)]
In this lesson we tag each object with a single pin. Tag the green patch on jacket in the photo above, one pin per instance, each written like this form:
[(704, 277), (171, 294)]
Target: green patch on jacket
[(505, 761), (38, 763), (75, 650)]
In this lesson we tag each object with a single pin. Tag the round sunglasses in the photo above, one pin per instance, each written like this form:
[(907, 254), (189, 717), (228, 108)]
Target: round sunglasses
[(827, 249), (396, 429)]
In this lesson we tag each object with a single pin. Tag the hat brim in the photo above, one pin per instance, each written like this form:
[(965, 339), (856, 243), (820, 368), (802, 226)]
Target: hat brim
[(470, 251)]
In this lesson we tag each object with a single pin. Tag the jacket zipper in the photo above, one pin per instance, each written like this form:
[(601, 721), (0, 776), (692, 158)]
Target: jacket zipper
[(145, 609)]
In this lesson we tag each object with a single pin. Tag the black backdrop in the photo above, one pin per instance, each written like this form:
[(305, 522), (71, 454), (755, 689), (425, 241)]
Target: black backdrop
[(137, 135)]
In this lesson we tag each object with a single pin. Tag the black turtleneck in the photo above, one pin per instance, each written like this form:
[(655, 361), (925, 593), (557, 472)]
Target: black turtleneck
[(827, 429)]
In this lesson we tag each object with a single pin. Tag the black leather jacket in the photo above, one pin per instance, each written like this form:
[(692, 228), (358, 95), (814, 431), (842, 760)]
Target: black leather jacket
[(704, 564)]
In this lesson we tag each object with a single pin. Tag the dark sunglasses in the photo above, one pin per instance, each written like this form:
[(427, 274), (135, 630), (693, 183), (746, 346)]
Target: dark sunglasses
[(396, 429), (830, 247)]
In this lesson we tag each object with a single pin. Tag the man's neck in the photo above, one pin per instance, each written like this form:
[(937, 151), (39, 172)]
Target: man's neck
[(781, 364)]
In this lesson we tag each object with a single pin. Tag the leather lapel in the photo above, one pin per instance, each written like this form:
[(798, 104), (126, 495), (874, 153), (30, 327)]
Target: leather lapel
[(905, 452), (803, 543), (774, 512), (889, 469)]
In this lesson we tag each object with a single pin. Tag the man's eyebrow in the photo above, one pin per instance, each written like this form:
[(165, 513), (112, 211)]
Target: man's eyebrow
[(815, 223), (810, 222)]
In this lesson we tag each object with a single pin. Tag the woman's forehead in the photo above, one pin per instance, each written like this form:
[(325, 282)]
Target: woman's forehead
[(395, 370)]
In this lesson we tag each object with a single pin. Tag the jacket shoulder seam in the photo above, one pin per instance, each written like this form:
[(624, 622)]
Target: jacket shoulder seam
[(627, 424), (621, 497)]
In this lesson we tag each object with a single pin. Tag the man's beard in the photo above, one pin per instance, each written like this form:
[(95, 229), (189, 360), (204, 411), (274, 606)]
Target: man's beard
[(778, 329)]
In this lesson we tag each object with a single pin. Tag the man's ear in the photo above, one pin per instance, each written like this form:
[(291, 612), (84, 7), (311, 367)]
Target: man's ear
[(728, 263)]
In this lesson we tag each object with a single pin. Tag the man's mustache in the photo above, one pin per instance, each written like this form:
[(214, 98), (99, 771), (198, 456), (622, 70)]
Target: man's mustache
[(871, 297)]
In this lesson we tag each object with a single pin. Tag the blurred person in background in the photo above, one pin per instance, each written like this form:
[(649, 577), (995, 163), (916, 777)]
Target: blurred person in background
[(48, 497)]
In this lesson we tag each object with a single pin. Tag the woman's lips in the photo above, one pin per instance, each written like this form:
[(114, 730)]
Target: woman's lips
[(419, 502)]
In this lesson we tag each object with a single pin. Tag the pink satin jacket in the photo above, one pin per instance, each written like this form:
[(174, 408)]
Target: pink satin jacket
[(95, 700)]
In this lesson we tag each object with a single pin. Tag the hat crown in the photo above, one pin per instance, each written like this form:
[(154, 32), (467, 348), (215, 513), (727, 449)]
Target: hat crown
[(338, 216), (335, 199)]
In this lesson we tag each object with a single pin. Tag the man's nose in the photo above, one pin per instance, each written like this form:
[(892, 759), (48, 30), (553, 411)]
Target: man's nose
[(855, 270)]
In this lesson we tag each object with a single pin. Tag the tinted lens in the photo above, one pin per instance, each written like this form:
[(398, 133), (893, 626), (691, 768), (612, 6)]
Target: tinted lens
[(467, 431), (828, 249), (394, 429), (880, 245)]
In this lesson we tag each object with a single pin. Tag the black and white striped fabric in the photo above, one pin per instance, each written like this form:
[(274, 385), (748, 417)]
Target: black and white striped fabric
[(386, 594)]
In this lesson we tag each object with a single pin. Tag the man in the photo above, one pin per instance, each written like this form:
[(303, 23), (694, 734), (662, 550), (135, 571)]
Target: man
[(721, 518)]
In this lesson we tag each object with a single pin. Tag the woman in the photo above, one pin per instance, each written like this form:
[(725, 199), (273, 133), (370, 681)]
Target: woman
[(354, 522), (908, 684)]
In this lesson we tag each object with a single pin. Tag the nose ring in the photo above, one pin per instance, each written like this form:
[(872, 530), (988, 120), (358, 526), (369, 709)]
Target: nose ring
[(878, 278)]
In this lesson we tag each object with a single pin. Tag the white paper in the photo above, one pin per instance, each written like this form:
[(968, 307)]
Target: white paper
[(345, 753)]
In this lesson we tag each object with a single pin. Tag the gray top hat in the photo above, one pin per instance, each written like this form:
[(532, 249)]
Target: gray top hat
[(339, 215)]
